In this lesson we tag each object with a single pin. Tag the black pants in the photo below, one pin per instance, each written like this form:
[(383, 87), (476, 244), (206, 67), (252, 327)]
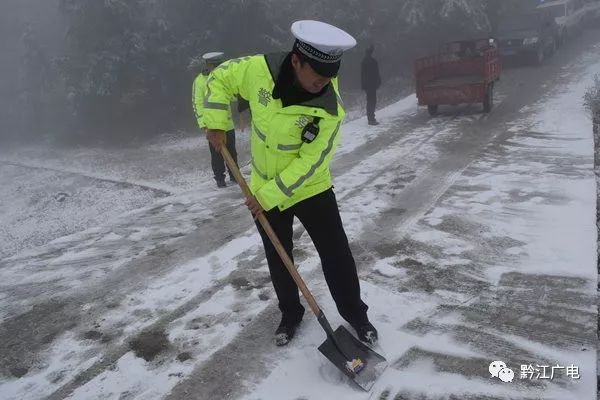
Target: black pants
[(321, 218), (371, 103), (218, 162)]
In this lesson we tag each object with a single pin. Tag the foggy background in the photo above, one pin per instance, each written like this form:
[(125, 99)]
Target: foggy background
[(89, 71)]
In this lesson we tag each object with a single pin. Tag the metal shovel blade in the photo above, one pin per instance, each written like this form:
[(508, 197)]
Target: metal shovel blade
[(344, 348)]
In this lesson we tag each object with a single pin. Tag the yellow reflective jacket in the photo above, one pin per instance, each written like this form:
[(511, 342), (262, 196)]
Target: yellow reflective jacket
[(198, 93), (285, 170)]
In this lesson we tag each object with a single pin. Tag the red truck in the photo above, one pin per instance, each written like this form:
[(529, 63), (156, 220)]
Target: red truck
[(462, 72)]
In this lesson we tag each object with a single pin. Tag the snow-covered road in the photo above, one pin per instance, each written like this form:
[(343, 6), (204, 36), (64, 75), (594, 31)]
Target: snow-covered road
[(474, 234)]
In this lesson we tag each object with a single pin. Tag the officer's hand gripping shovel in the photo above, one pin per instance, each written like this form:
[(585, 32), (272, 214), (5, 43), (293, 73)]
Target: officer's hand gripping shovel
[(355, 359)]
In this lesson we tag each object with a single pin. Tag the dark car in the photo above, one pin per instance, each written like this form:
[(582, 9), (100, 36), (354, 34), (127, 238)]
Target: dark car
[(532, 36)]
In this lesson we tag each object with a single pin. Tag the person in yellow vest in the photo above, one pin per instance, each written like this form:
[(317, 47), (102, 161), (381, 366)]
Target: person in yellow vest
[(297, 115), (212, 60)]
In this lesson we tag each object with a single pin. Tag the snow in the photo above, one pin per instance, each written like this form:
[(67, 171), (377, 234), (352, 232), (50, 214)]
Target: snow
[(386, 269), (66, 357), (102, 186), (179, 286), (34, 211), (171, 290), (558, 236), (301, 364), (524, 205), (145, 380), (134, 374)]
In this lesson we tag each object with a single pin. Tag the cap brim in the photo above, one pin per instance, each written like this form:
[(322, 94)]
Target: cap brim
[(328, 70)]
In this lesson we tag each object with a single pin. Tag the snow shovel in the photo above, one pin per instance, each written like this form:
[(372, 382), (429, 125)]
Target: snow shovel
[(355, 359)]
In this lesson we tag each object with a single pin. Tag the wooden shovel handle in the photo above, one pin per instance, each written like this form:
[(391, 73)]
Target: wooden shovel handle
[(271, 234)]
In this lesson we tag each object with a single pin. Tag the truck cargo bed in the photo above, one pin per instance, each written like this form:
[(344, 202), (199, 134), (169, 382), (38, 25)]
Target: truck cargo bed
[(454, 81)]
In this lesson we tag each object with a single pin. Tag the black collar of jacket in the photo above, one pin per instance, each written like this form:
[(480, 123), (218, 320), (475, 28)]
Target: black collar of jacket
[(327, 100)]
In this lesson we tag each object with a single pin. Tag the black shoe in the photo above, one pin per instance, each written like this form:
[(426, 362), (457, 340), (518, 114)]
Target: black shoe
[(366, 332), (373, 122), (286, 331), (221, 183)]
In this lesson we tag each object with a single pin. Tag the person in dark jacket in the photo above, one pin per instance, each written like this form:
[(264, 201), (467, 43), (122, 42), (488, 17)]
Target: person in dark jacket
[(370, 82)]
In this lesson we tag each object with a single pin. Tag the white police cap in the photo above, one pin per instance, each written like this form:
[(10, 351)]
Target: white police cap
[(214, 56), (327, 39), (321, 44)]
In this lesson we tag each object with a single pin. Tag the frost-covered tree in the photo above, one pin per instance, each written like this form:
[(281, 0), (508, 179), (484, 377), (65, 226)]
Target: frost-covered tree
[(104, 64), (591, 101), (126, 61)]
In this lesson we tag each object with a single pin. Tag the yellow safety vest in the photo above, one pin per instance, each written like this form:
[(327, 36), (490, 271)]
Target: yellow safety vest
[(285, 170)]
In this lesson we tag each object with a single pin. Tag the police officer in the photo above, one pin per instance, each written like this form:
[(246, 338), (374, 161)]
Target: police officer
[(297, 116), (212, 60)]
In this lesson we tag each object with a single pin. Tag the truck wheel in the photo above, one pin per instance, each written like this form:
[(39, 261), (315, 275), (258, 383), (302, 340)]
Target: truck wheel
[(433, 109), (488, 103)]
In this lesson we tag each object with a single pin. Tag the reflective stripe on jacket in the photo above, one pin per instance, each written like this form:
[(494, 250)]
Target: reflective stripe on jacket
[(198, 93)]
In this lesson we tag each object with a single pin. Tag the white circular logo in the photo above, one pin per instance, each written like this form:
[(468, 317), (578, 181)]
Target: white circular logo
[(496, 367), (506, 375)]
